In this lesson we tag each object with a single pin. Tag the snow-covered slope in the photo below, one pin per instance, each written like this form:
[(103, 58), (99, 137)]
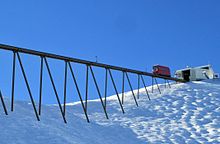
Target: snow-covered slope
[(185, 113)]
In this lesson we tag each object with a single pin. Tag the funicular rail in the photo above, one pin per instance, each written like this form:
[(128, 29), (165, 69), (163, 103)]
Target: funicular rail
[(89, 64), (54, 56)]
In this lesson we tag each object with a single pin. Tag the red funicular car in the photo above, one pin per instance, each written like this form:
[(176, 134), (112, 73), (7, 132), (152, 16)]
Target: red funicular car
[(161, 70)]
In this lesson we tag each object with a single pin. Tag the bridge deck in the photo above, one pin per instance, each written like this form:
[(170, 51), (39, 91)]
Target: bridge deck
[(70, 59)]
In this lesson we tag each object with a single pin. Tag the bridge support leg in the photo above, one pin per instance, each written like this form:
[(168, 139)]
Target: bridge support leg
[(131, 89), (55, 91), (13, 81), (154, 79), (41, 84), (3, 104), (28, 87), (106, 87), (123, 87), (168, 83), (145, 87), (65, 87), (113, 82), (165, 83), (157, 85), (152, 85), (78, 91), (97, 88), (87, 87), (138, 93)]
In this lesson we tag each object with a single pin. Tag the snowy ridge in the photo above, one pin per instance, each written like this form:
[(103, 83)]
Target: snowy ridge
[(185, 113)]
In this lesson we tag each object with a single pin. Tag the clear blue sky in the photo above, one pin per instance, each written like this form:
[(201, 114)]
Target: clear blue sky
[(128, 33)]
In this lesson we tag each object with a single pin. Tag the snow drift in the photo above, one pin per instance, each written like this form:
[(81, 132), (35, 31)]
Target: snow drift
[(185, 113)]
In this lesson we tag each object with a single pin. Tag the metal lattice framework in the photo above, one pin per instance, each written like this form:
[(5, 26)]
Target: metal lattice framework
[(89, 68)]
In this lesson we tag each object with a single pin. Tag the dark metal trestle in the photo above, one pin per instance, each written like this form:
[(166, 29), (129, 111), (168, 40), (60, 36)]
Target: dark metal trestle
[(138, 93), (13, 81), (55, 90), (154, 79), (99, 93), (69, 69), (116, 91), (167, 83), (106, 86), (65, 88), (123, 86), (145, 87), (3, 103), (78, 91), (87, 86), (28, 87), (129, 82), (41, 85)]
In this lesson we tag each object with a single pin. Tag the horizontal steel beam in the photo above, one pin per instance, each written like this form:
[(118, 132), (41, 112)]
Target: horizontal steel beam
[(59, 57)]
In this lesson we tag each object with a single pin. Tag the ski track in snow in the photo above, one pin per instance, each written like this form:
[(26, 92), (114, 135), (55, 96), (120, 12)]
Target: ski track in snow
[(185, 113)]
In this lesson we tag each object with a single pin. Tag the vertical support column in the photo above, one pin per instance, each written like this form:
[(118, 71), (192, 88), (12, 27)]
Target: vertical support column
[(138, 92), (3, 104), (28, 87), (165, 83), (157, 85), (113, 82), (64, 93), (97, 88), (78, 91), (41, 84), (131, 89), (168, 83), (13, 81), (87, 87), (145, 87), (152, 84), (123, 86), (106, 86), (54, 88)]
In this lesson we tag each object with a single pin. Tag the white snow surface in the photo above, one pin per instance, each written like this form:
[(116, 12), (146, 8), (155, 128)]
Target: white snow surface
[(185, 113)]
